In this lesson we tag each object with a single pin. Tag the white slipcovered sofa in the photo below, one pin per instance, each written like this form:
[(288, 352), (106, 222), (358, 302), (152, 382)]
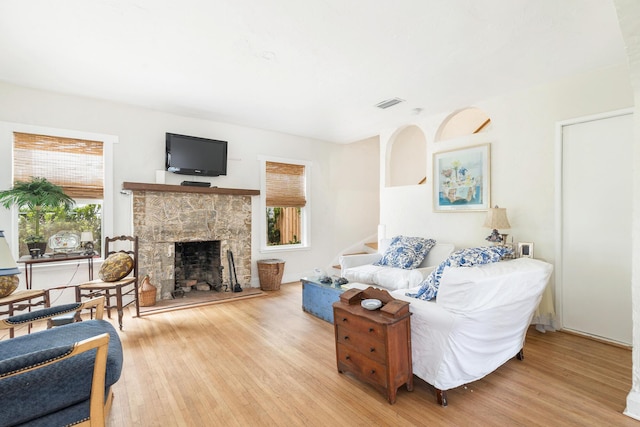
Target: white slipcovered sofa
[(359, 268), (476, 323)]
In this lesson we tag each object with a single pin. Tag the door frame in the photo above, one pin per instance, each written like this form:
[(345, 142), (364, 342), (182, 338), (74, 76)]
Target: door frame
[(559, 322)]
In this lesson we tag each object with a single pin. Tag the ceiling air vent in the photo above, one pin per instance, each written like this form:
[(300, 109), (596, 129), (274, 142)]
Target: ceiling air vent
[(389, 103)]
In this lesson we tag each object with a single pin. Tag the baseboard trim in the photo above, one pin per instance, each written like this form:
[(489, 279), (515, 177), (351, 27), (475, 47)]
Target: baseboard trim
[(596, 338), (633, 405)]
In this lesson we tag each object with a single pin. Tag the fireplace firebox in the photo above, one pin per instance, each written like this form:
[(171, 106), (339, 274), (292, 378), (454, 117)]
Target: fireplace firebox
[(198, 265)]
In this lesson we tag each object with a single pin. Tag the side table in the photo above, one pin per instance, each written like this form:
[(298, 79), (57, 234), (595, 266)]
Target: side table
[(374, 345), (28, 264)]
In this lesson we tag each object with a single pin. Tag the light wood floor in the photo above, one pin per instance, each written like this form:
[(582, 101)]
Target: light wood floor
[(264, 362)]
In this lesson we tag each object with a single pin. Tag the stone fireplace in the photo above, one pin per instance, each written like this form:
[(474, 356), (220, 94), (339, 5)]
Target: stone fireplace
[(169, 216)]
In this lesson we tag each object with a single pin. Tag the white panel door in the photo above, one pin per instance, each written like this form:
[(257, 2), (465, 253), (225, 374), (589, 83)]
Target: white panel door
[(596, 207)]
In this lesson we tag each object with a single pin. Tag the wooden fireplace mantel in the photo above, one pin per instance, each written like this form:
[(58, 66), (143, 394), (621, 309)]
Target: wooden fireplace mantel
[(138, 186)]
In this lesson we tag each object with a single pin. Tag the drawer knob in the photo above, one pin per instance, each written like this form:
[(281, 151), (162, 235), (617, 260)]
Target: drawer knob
[(346, 337), (372, 349), (371, 329), (347, 357), (344, 319), (373, 371)]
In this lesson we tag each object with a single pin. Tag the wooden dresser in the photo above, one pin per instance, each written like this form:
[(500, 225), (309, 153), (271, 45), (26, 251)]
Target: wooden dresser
[(374, 345)]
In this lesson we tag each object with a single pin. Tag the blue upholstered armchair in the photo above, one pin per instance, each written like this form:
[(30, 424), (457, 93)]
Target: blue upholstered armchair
[(59, 376)]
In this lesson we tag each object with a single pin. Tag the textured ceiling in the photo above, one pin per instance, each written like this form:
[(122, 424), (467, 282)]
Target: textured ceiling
[(314, 68)]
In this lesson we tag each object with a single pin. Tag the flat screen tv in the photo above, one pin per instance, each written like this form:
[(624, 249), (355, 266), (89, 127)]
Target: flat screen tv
[(191, 155)]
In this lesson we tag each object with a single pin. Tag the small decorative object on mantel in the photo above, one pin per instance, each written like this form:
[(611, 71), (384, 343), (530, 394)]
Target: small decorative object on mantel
[(8, 269), (497, 218)]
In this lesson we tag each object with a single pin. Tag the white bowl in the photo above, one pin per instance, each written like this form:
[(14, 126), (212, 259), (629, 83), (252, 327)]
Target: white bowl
[(371, 304)]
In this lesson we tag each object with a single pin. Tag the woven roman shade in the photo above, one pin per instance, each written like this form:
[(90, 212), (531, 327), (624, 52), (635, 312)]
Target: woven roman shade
[(76, 165), (285, 185)]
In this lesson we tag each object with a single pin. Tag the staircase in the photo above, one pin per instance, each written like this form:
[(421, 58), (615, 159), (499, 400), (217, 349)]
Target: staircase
[(373, 246)]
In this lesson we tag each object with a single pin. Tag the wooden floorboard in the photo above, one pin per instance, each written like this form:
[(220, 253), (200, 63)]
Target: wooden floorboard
[(265, 362)]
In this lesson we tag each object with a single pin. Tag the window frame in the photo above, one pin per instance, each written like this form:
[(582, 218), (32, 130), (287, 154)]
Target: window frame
[(305, 213), (6, 134)]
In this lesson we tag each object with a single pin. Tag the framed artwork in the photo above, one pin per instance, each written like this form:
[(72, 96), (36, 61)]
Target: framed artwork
[(525, 250), (461, 179)]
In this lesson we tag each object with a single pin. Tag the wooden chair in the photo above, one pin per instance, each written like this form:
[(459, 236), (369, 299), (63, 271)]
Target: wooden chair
[(22, 300), (118, 290)]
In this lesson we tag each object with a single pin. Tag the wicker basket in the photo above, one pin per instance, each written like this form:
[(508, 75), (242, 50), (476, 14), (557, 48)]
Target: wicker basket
[(270, 272), (147, 293)]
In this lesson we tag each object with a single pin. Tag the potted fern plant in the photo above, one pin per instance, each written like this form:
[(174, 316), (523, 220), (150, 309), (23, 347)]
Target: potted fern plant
[(35, 195)]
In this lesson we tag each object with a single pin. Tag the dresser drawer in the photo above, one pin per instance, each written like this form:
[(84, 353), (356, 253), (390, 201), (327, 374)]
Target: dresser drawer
[(357, 323), (368, 345), (361, 366)]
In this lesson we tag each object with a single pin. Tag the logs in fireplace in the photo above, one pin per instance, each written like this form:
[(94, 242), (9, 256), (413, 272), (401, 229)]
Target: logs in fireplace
[(197, 266)]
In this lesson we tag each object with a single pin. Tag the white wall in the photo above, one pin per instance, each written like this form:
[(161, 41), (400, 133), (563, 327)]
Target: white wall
[(408, 158), (522, 137), (354, 181), (339, 193)]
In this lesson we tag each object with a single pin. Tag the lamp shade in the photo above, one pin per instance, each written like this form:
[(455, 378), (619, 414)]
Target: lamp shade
[(8, 266), (497, 218), (86, 236)]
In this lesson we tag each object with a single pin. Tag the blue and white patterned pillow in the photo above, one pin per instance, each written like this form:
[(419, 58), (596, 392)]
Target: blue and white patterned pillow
[(406, 252), (462, 258)]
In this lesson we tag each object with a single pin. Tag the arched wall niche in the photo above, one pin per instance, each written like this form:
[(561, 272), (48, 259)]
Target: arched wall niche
[(466, 121), (407, 157)]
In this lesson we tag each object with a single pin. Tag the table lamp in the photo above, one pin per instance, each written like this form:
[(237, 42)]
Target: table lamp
[(496, 218), (8, 269), (86, 237)]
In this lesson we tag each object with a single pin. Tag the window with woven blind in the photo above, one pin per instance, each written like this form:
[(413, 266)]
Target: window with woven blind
[(76, 165), (285, 199), (285, 185)]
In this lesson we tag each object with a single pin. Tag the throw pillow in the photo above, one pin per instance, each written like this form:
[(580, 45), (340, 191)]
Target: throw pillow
[(8, 284), (406, 252), (462, 258), (116, 267)]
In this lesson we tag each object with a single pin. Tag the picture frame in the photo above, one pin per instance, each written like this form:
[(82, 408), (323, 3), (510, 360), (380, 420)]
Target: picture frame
[(525, 250), (461, 179)]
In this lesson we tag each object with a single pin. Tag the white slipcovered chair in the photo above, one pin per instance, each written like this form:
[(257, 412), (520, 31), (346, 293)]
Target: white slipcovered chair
[(477, 322)]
